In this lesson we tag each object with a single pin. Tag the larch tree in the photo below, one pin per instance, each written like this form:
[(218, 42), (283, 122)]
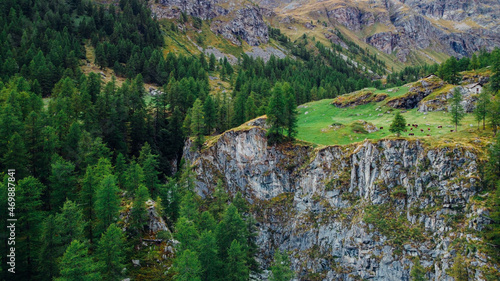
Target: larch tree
[(398, 124), (107, 204), (197, 125), (280, 268), (110, 252), (457, 112)]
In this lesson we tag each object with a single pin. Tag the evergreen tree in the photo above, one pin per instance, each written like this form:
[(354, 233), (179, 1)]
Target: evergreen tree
[(187, 234), (459, 269), (492, 114), (187, 266), (398, 124), (417, 272), (139, 213), (150, 165), (232, 227), (134, 177), (120, 170), (197, 124), (62, 183), (207, 222), (250, 108), (212, 62), (47, 266), (16, 156), (29, 213), (481, 110), (291, 112), (77, 265), (456, 108), (276, 116), (219, 205), (107, 204), (280, 268), (69, 226), (236, 269), (210, 115), (110, 252), (208, 258)]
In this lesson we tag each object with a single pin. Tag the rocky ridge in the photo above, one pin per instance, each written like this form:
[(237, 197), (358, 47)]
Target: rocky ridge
[(234, 20), (457, 28), (357, 211)]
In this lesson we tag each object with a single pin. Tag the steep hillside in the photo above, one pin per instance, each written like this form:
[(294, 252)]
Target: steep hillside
[(411, 30), (354, 212)]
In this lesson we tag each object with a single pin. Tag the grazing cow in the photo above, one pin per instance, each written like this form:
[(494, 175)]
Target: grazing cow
[(411, 134), (428, 135), (381, 128), (452, 131), (422, 130), (428, 129), (440, 127), (411, 128), (406, 131), (408, 125)]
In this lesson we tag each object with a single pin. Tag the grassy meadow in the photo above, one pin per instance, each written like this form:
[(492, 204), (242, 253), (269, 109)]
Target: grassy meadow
[(322, 123)]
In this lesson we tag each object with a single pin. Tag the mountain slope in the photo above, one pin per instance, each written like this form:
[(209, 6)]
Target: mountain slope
[(403, 28)]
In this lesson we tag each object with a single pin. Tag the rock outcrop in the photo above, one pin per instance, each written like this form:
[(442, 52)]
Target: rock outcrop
[(360, 211), (457, 28), (417, 92), (235, 20)]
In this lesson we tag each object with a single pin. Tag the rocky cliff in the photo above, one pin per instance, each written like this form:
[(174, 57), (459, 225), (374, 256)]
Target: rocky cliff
[(456, 28), (353, 212), (235, 20)]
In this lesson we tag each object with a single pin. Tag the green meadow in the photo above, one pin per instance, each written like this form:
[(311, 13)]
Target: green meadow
[(322, 123)]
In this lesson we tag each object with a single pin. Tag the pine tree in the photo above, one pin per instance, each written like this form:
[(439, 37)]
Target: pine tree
[(189, 206), (219, 205), (207, 222), (459, 269), (276, 116), (208, 258), (139, 213), (150, 165), (456, 108), (418, 271), (107, 204), (187, 266), (77, 265), (232, 227), (280, 268), (62, 183), (236, 269), (134, 177), (16, 156), (198, 124), (492, 114), (110, 252), (250, 108), (47, 266), (29, 213), (212, 62), (398, 124), (210, 115), (291, 112), (120, 170), (481, 110), (69, 226), (187, 234)]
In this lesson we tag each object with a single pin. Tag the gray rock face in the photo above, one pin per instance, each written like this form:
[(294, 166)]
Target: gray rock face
[(315, 203), (235, 20)]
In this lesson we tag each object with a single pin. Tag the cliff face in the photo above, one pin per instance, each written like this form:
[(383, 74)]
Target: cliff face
[(234, 20), (456, 28), (358, 211)]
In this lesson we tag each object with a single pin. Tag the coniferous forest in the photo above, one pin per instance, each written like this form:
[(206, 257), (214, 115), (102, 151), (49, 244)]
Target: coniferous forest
[(92, 154)]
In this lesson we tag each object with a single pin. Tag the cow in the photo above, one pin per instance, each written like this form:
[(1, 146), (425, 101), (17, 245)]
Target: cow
[(452, 131), (408, 125), (411, 134), (411, 128), (440, 127), (406, 131), (422, 130), (428, 135), (428, 129), (381, 128)]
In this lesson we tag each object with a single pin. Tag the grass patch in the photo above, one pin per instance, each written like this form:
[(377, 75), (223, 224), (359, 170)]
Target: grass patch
[(325, 124)]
